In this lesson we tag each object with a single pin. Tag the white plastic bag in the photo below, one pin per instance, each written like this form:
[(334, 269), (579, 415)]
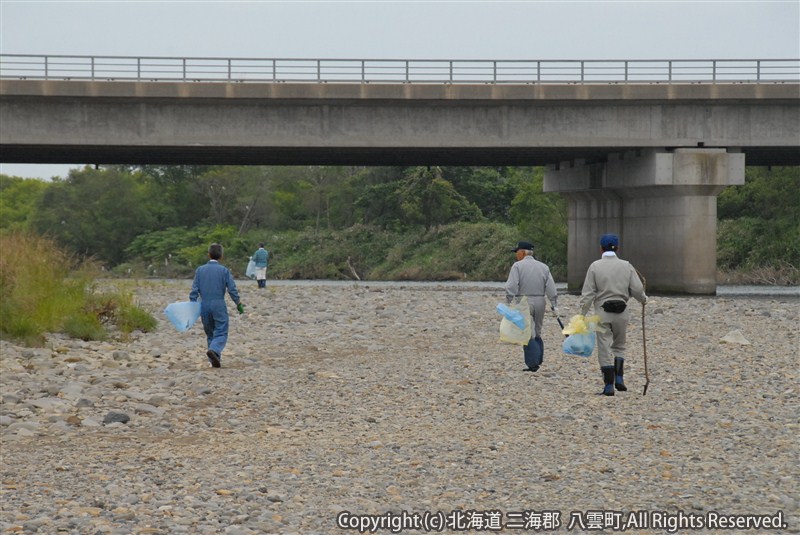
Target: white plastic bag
[(512, 334), (183, 314), (251, 269)]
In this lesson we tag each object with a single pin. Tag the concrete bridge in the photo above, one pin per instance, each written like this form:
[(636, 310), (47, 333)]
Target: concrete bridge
[(642, 158)]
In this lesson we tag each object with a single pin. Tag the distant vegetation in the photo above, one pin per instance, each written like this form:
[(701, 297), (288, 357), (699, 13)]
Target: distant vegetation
[(43, 289), (758, 237), (318, 222), (423, 223)]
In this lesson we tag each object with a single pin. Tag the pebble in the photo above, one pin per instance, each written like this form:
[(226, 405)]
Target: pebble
[(116, 417), (372, 398)]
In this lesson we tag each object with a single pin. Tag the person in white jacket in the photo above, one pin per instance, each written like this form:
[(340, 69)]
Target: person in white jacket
[(531, 278), (609, 283)]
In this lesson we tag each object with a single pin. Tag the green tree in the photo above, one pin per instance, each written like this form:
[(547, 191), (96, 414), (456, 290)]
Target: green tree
[(174, 197), (254, 202), (94, 212), (343, 198), (489, 188), (322, 183), (760, 220), (427, 198), (377, 198), (540, 217), (18, 197)]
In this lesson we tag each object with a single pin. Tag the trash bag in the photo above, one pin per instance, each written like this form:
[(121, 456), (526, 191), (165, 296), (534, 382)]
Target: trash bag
[(581, 345), (183, 314), (582, 338), (511, 333), (581, 324), (514, 316), (251, 269)]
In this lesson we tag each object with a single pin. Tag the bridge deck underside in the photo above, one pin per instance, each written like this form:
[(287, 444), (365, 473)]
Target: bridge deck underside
[(228, 155)]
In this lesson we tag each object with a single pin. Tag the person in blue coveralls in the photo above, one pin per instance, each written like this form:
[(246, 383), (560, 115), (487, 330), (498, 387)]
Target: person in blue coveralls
[(531, 278), (211, 281)]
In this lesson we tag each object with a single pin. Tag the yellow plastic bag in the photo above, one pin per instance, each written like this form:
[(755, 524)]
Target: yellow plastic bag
[(581, 324), (510, 333), (581, 339)]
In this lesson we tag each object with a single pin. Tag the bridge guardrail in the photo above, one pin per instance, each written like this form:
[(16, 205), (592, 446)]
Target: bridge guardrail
[(422, 71)]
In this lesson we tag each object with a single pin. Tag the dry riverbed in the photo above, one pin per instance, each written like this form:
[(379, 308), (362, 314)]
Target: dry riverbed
[(373, 399)]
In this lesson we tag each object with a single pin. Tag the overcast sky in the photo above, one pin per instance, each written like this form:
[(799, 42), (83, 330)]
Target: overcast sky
[(425, 29)]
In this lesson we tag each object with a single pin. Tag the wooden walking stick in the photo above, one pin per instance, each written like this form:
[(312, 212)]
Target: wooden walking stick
[(644, 340), (644, 349)]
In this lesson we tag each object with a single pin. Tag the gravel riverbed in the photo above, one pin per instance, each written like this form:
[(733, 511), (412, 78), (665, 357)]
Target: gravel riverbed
[(377, 399)]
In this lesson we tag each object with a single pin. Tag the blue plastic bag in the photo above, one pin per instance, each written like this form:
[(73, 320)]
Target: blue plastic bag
[(581, 345), (512, 315), (183, 314)]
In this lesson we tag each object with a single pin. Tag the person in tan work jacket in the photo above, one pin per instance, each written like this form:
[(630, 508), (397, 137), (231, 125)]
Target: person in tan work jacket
[(609, 283), (531, 278)]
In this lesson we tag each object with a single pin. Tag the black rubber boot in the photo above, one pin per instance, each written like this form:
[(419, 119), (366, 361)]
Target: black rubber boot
[(619, 365), (608, 380)]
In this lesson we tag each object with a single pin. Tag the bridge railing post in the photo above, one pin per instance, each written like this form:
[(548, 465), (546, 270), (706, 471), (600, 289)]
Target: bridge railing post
[(46, 67)]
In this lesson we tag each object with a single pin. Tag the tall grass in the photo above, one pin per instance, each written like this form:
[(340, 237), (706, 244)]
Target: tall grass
[(43, 289)]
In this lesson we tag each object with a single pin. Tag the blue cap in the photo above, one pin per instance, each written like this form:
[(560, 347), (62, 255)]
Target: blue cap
[(527, 246), (609, 239)]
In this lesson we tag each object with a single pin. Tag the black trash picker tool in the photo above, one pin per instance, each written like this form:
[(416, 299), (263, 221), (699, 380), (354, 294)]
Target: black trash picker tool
[(558, 319)]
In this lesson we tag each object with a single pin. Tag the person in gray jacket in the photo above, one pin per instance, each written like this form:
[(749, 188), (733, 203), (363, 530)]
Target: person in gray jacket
[(609, 283), (531, 278)]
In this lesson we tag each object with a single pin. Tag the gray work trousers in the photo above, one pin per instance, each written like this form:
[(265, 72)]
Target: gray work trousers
[(611, 342)]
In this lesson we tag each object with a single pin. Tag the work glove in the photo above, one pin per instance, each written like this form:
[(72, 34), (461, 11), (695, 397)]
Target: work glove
[(240, 308)]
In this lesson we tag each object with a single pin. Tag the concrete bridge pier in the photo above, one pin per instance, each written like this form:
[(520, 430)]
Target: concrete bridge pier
[(663, 206)]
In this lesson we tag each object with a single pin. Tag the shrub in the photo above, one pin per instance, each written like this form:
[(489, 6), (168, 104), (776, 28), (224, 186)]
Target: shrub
[(118, 309), (85, 326), (42, 289), (475, 251)]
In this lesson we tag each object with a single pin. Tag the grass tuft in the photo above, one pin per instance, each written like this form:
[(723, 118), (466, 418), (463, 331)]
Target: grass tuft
[(42, 289)]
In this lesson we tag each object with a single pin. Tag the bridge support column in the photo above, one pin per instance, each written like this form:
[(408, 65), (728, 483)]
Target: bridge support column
[(663, 206)]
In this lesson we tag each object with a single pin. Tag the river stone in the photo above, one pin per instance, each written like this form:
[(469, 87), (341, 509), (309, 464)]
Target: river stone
[(114, 416)]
